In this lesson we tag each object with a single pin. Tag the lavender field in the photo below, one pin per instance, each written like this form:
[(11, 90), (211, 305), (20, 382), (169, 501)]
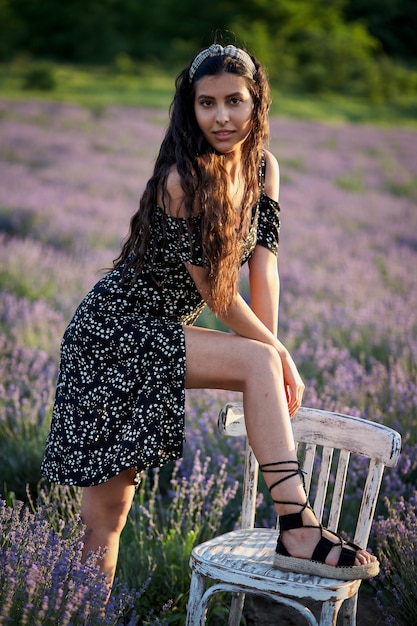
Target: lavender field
[(70, 178)]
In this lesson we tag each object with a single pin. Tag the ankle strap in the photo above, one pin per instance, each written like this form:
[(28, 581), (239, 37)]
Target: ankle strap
[(290, 472), (292, 520), (265, 465)]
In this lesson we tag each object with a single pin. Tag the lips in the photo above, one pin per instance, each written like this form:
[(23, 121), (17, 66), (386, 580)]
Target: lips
[(223, 135)]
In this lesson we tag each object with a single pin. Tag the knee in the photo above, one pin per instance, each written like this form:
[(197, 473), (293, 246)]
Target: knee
[(267, 358)]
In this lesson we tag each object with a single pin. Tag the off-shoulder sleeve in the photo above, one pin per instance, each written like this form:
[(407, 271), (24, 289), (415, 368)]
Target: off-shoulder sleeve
[(183, 241), (268, 224)]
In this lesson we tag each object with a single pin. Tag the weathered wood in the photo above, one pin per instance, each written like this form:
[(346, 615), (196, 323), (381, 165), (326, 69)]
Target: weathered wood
[(336, 430), (241, 561), (338, 491), (250, 483)]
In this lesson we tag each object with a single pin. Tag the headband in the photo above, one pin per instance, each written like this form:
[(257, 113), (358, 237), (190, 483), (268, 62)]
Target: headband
[(216, 50)]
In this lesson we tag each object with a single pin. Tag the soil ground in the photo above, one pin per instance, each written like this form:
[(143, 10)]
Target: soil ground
[(262, 612)]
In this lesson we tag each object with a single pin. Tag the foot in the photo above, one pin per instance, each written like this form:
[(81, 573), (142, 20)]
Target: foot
[(307, 548), (301, 543)]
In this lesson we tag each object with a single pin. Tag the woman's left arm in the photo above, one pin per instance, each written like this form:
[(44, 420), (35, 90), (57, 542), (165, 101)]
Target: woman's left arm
[(264, 287), (263, 266)]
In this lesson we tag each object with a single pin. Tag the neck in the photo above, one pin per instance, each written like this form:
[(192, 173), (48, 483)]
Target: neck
[(233, 167)]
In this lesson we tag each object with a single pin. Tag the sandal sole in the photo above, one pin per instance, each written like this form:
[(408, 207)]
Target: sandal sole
[(314, 568)]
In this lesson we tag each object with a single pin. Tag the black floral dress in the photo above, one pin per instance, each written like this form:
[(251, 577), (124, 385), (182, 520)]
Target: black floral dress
[(121, 387)]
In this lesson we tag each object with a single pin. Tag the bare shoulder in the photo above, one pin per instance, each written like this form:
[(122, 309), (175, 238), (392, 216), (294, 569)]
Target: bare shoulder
[(173, 200), (271, 176)]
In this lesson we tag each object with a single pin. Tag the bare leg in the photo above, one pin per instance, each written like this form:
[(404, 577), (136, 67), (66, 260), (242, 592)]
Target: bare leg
[(104, 510), (222, 361)]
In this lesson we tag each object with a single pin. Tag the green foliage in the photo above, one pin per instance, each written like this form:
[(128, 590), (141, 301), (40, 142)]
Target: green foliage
[(308, 45), (25, 407), (43, 581), (207, 319), (22, 222), (40, 77), (124, 64), (406, 189), (58, 502), (12, 279), (336, 61), (21, 470), (98, 87), (392, 22), (10, 29), (396, 537), (161, 532), (353, 181)]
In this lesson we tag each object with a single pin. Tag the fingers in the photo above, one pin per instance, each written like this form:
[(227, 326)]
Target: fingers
[(294, 386), (363, 557), (294, 398)]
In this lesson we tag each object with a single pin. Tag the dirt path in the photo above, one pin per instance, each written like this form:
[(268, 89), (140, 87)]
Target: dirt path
[(261, 612)]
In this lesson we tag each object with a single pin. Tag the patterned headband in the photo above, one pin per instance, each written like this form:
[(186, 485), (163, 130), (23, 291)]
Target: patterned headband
[(216, 50)]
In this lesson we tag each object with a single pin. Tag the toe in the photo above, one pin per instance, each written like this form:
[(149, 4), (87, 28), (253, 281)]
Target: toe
[(363, 557)]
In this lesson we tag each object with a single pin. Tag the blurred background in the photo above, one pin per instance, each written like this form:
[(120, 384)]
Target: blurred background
[(363, 48), (85, 87)]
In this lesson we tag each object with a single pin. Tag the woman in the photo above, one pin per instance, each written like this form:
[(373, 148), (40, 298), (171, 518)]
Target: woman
[(131, 350)]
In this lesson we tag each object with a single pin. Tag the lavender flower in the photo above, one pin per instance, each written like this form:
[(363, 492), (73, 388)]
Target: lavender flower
[(42, 579), (397, 552), (69, 181)]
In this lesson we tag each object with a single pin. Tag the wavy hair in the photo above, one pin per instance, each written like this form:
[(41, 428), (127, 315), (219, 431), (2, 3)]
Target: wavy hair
[(204, 180)]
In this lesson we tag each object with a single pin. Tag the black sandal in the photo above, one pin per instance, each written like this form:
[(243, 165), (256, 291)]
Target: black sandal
[(316, 566)]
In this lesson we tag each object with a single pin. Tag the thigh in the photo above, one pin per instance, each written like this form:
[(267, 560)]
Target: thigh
[(219, 360), (113, 497)]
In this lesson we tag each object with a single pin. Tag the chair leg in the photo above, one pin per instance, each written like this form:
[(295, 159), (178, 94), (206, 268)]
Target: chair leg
[(329, 611), (349, 611), (236, 609), (194, 616)]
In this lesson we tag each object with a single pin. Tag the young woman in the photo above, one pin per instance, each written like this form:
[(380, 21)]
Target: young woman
[(130, 351)]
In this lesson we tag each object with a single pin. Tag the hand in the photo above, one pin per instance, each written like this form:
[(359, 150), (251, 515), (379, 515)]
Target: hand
[(294, 386)]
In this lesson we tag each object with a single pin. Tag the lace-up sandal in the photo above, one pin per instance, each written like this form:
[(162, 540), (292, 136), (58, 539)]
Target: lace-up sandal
[(316, 566)]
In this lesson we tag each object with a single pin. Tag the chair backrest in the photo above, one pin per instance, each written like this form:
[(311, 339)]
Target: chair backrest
[(325, 443)]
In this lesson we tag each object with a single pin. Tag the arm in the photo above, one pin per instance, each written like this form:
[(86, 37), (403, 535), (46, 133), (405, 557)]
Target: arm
[(264, 287), (259, 321), (239, 317), (263, 267)]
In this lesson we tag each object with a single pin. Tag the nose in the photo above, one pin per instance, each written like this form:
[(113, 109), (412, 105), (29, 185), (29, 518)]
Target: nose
[(222, 115)]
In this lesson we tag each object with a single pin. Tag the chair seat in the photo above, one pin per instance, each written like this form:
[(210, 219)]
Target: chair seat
[(244, 558)]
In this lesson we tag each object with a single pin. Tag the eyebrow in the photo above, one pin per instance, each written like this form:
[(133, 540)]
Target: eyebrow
[(230, 95)]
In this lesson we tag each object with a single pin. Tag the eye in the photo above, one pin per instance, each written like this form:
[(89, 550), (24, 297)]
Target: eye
[(235, 100), (205, 103)]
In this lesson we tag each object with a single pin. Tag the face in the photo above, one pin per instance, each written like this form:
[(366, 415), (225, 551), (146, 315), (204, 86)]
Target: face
[(223, 108)]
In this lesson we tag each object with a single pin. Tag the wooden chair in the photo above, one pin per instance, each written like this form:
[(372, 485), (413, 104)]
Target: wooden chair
[(240, 561)]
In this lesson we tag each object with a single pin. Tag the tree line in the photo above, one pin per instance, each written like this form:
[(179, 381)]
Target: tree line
[(317, 45)]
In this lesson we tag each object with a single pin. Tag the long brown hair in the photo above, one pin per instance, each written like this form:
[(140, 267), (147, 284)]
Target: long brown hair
[(204, 180)]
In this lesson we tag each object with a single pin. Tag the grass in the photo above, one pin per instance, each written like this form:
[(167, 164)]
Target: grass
[(100, 87), (403, 189), (353, 181)]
